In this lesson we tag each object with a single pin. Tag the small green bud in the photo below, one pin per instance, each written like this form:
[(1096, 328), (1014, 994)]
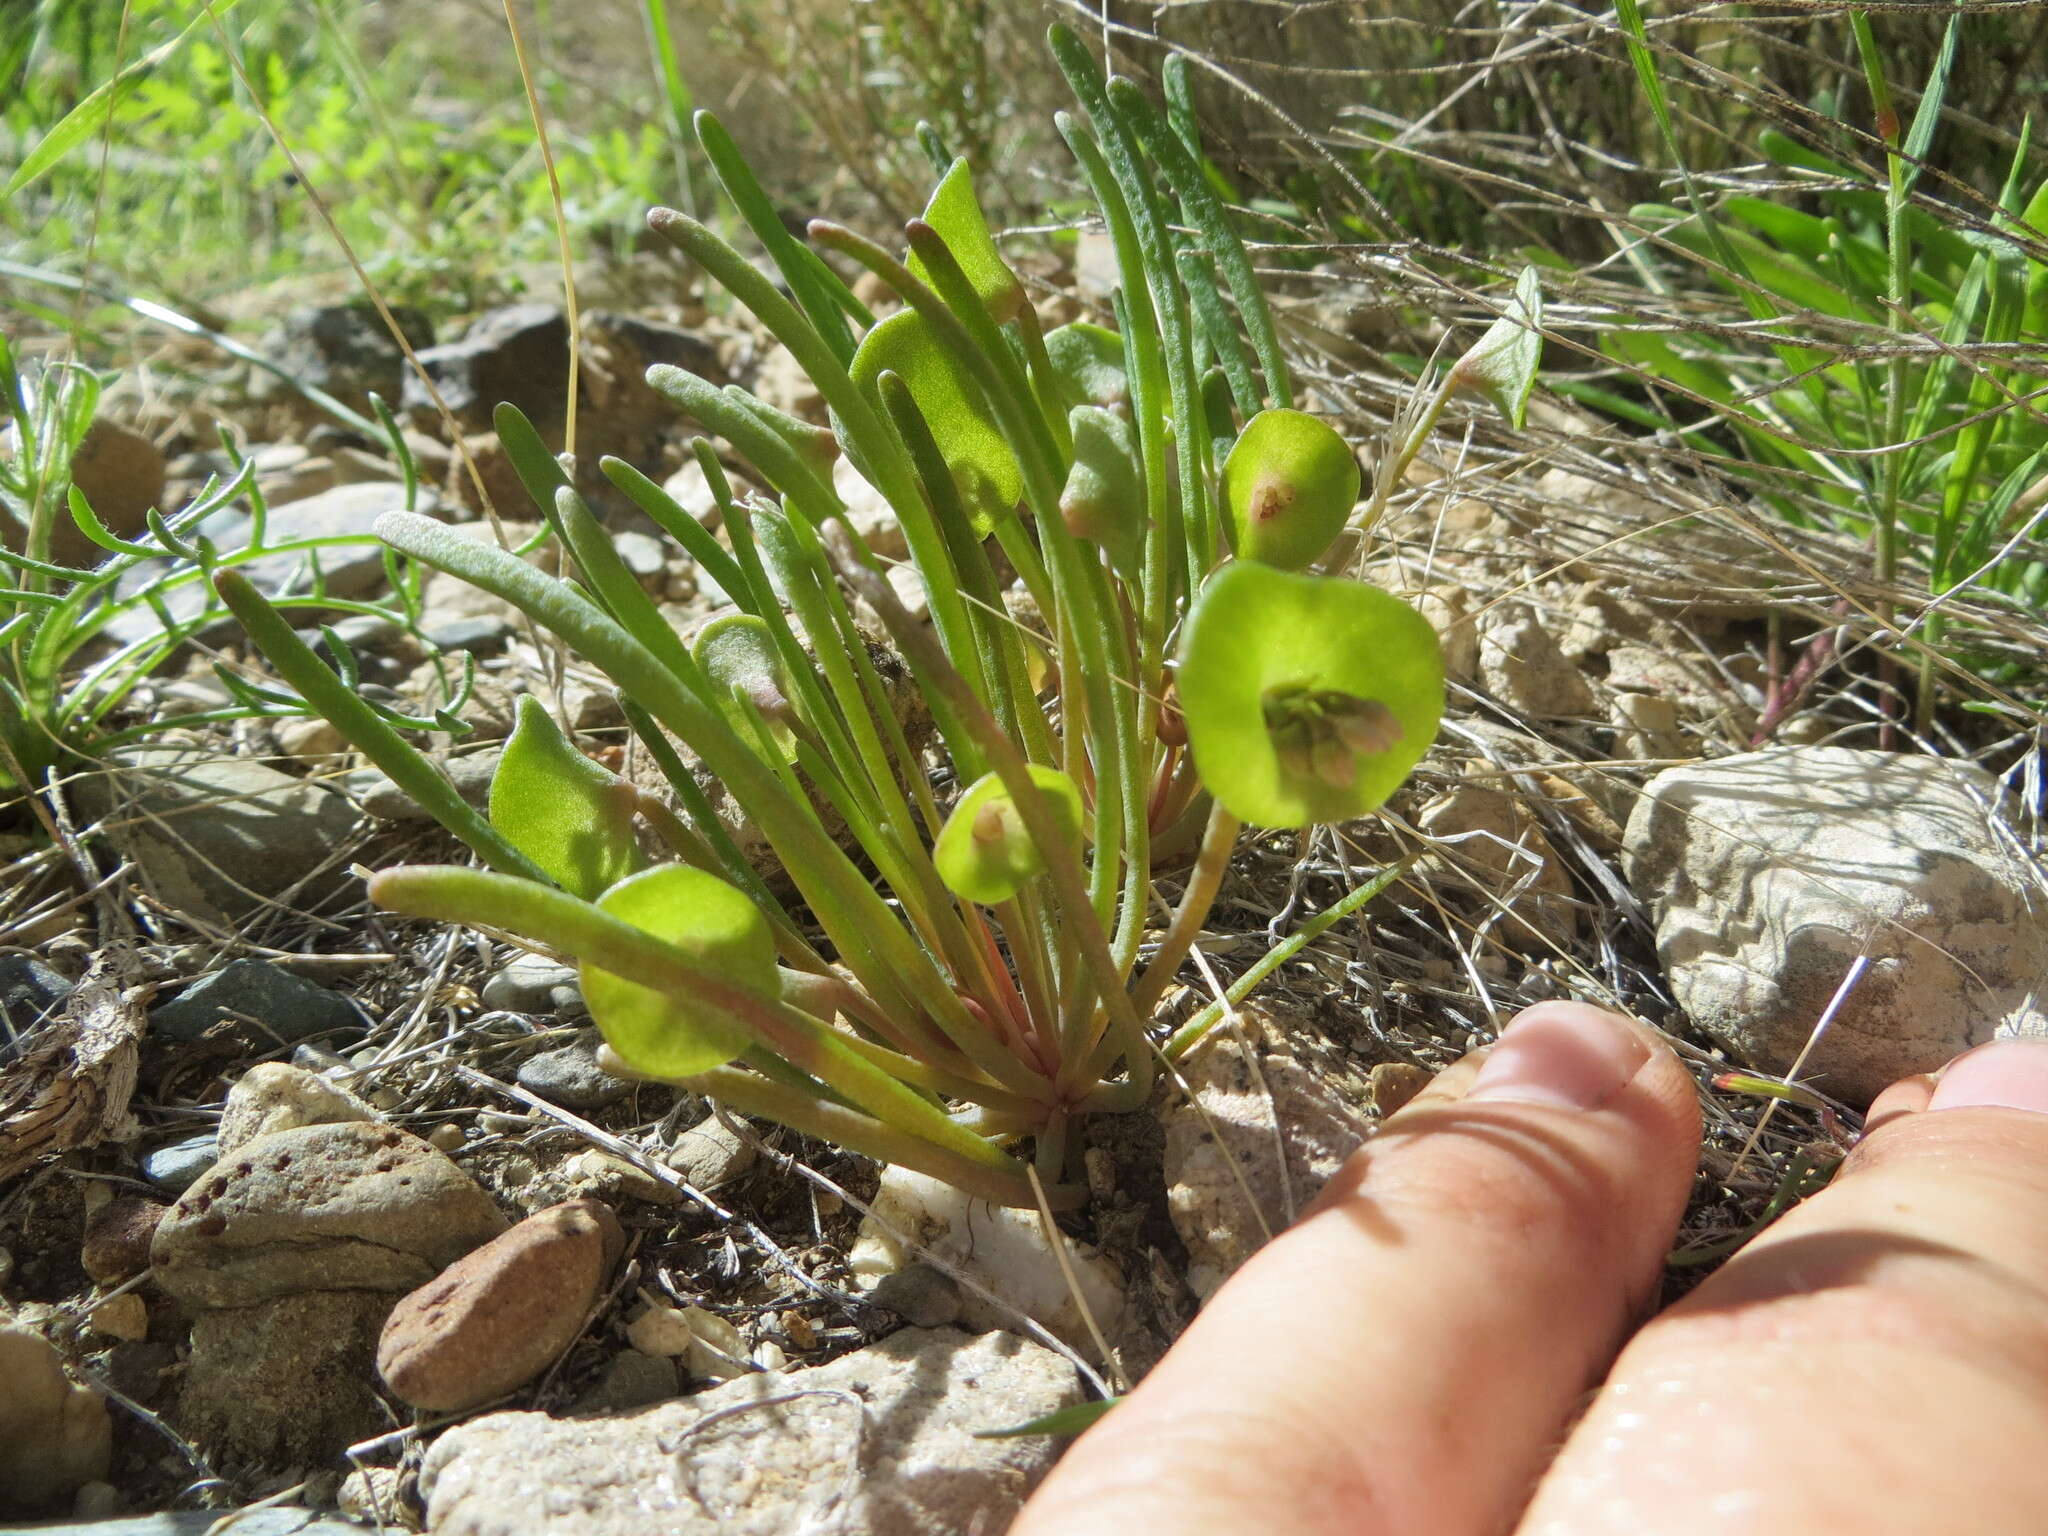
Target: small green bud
[(985, 852)]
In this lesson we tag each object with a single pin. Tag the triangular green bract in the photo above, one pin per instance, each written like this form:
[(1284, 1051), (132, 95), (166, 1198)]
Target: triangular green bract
[(1502, 363), (984, 852), (955, 214), (569, 815), (1288, 485), (983, 466), (722, 932), (1259, 641)]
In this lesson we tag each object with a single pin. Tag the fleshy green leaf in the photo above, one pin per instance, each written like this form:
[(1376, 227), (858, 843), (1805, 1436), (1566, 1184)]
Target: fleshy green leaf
[(738, 655), (571, 816), (1502, 363), (1104, 497), (1088, 363), (1288, 485), (956, 214), (1307, 698), (984, 852), (719, 929), (983, 466)]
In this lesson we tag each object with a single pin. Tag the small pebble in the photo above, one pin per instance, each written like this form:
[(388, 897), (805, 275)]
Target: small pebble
[(708, 1155), (1394, 1083), (534, 984), (570, 1076), (97, 1501), (378, 1496), (117, 1238), (446, 1137), (122, 1317), (769, 1356), (386, 1098), (272, 1096), (614, 1177), (499, 1316), (175, 1168), (920, 1295), (498, 1123), (661, 1331)]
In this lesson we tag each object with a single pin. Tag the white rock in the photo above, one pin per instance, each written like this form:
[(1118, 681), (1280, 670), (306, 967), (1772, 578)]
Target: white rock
[(869, 513), (878, 1443), (710, 1347), (1773, 872), (1280, 1132), (1001, 1248), (272, 1096)]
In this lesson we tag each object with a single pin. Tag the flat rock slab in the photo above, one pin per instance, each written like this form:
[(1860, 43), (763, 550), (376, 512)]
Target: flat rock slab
[(1772, 873), (878, 1443)]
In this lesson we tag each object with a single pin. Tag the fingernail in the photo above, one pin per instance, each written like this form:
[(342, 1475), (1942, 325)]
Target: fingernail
[(2006, 1074), (1566, 1055)]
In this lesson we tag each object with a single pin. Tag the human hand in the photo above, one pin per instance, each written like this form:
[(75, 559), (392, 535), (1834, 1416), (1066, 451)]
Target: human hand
[(1408, 1359)]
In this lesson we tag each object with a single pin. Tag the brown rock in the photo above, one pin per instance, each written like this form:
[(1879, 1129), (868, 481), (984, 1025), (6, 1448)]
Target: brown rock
[(493, 1321), (117, 1238), (349, 1206), (284, 1381), (121, 474)]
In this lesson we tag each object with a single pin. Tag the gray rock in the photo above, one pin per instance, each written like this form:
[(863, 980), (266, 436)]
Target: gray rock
[(176, 1168), (287, 1007), (570, 1076), (271, 1096), (1280, 1131), (922, 1296), (279, 1520), (285, 1380), (535, 984), (645, 555), (708, 1155), (1772, 873), (485, 636), (223, 836), (30, 994), (379, 797), (346, 511), (344, 349), (55, 1435), (349, 1206), (878, 1443), (518, 354)]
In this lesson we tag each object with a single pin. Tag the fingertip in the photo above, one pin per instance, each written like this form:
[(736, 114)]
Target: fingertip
[(1908, 1096), (2006, 1074)]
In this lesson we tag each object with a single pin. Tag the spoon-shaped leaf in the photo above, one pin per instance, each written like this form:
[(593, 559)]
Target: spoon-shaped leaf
[(571, 816), (737, 654), (721, 930), (956, 214), (983, 466), (1307, 698), (1288, 485), (1088, 362), (984, 851), (1103, 500)]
